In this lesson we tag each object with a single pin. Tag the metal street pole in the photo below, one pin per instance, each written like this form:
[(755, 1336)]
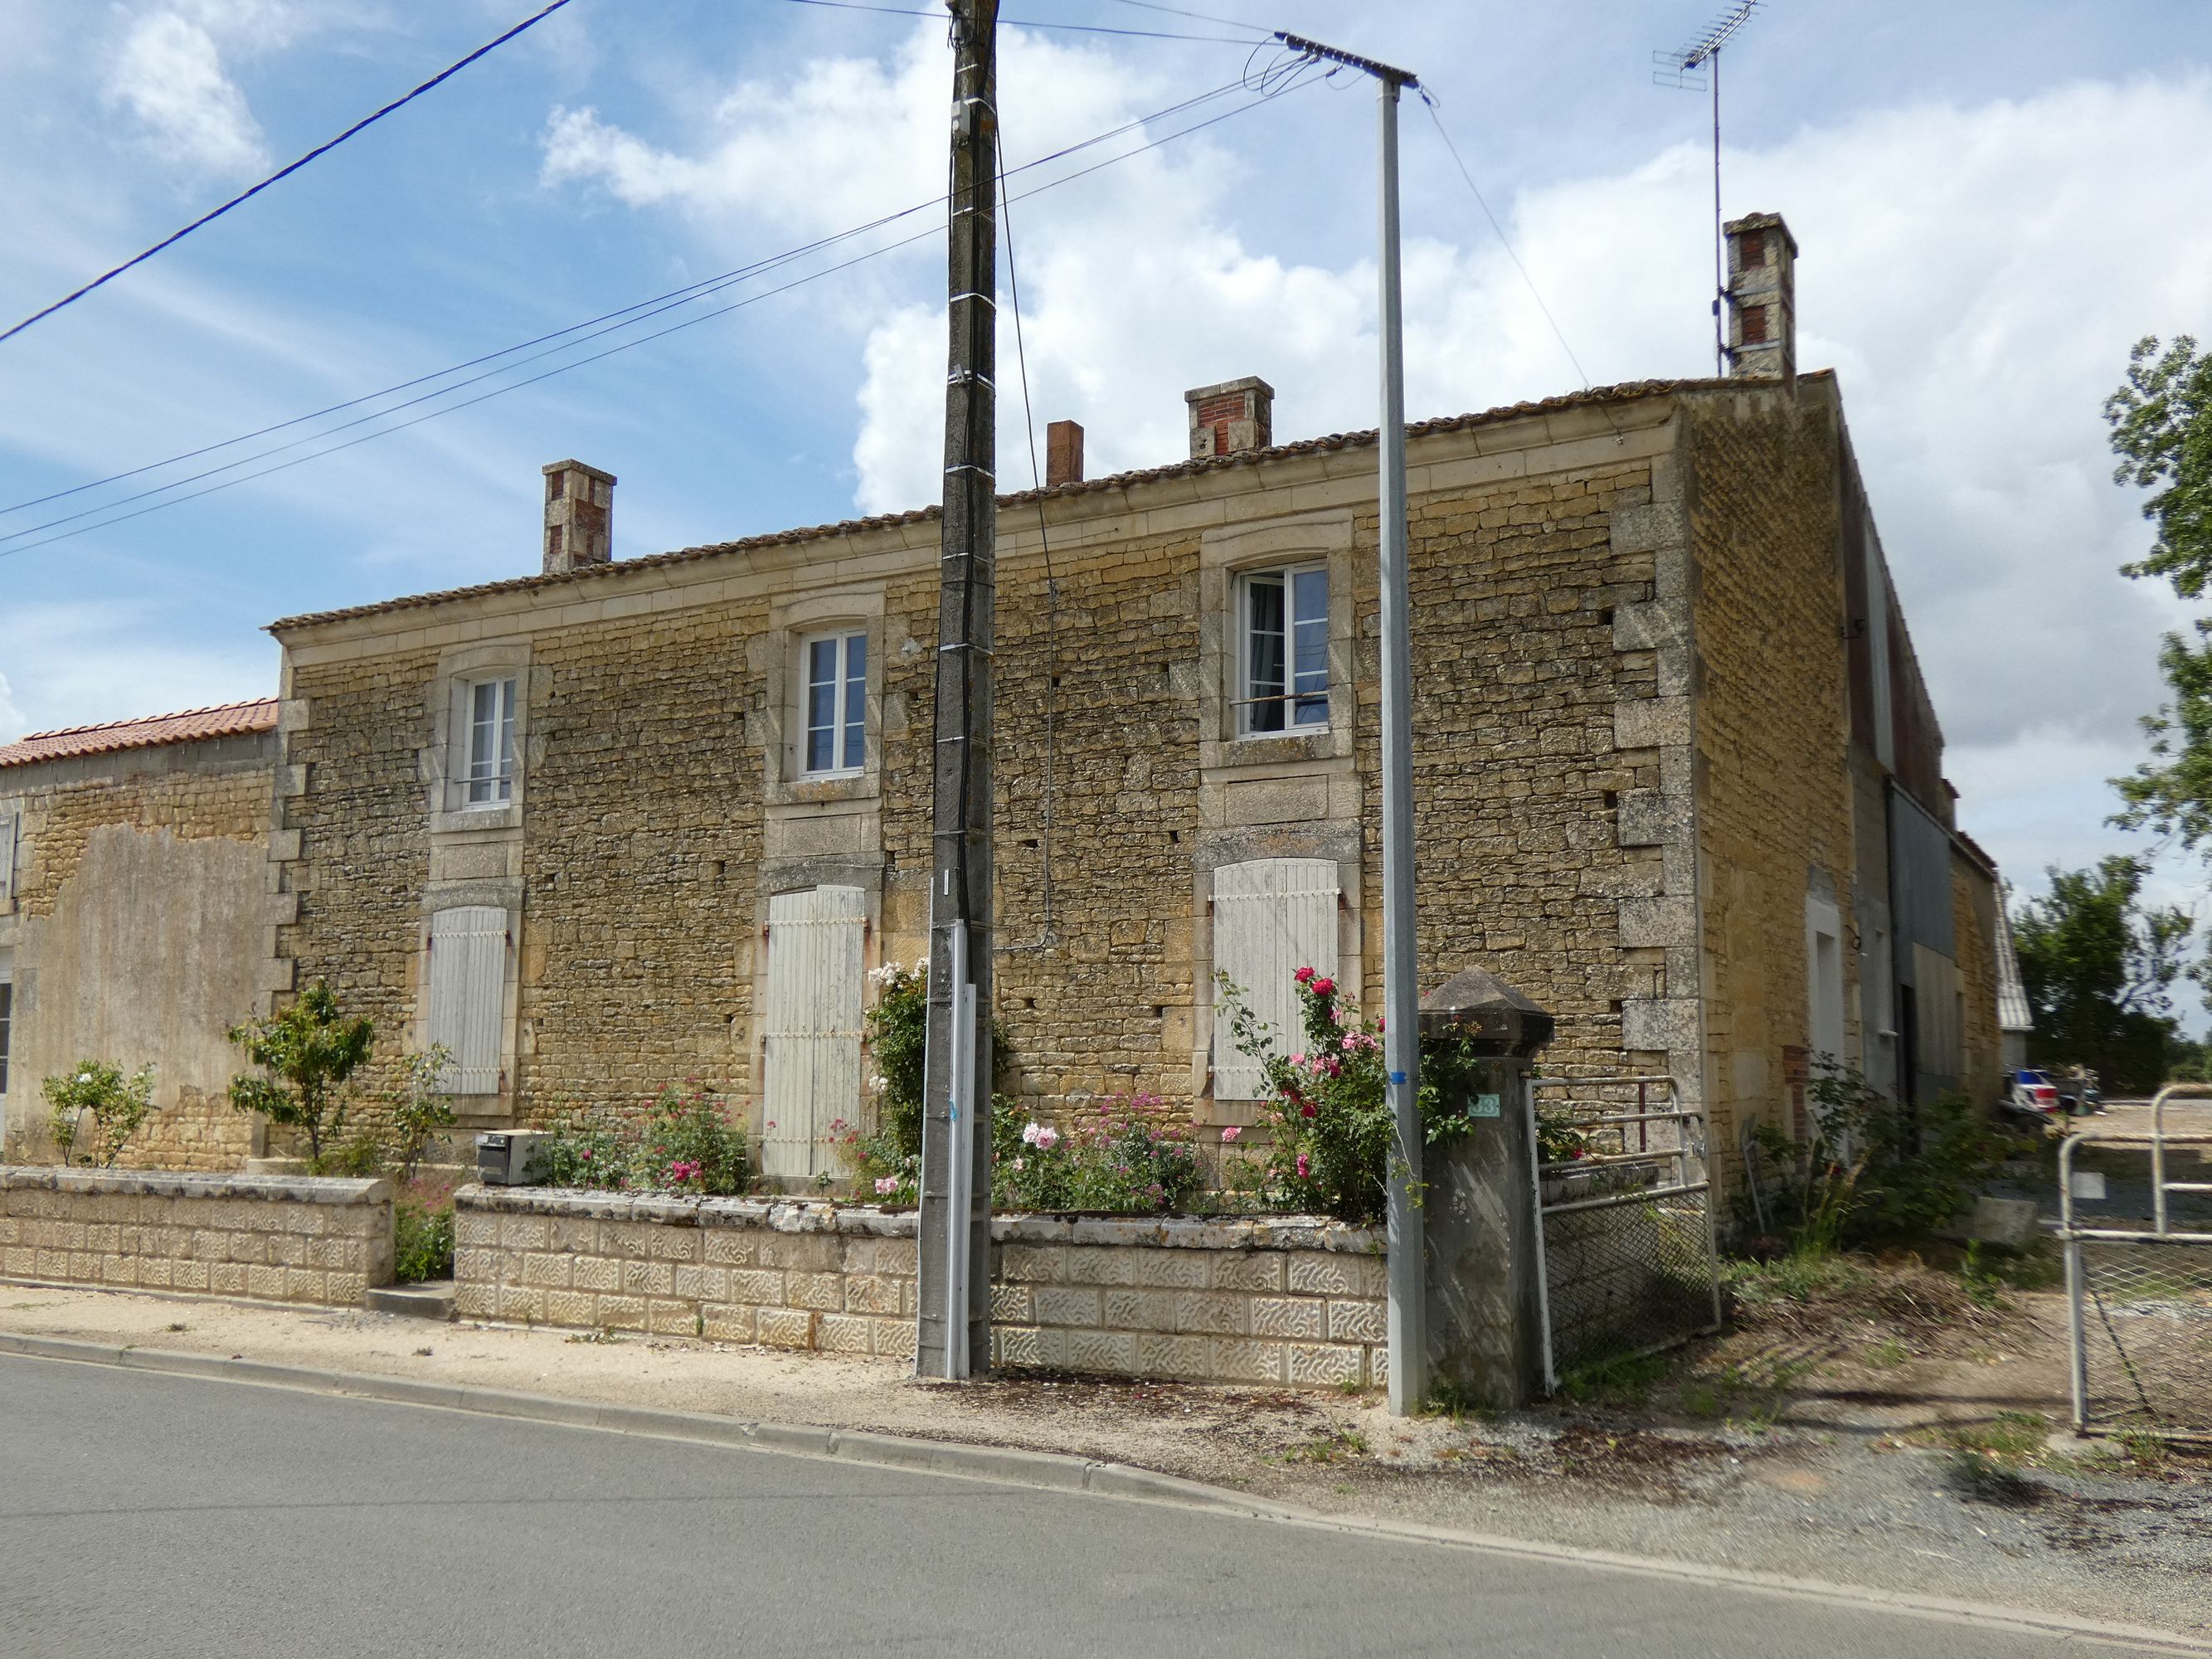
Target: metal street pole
[(1408, 1311), (952, 1326)]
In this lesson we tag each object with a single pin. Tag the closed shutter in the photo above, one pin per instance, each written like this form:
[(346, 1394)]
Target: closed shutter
[(1270, 918), (815, 941), (468, 994), (7, 858)]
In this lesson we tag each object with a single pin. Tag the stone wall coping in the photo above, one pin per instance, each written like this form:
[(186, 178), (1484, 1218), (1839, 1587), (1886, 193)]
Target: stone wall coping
[(178, 1183), (1281, 1232)]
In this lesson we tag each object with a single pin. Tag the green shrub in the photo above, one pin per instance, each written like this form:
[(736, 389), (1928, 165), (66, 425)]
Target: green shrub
[(423, 1243), (1331, 1142), (686, 1143), (689, 1144), (898, 1040), (118, 1104), (1131, 1161), (308, 1052), (1876, 1170), (419, 1110)]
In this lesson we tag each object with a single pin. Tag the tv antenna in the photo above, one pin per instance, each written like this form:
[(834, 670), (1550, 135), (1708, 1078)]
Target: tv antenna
[(1693, 67)]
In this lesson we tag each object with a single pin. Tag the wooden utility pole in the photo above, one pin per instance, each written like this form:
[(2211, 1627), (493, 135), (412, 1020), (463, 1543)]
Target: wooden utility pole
[(953, 1338)]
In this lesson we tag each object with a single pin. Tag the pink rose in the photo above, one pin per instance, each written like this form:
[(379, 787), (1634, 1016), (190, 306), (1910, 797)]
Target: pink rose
[(1304, 976), (1230, 1134), (1305, 1166), (1324, 987)]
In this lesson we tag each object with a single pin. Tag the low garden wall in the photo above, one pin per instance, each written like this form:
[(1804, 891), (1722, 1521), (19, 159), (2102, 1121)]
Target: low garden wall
[(278, 1238), (1289, 1300)]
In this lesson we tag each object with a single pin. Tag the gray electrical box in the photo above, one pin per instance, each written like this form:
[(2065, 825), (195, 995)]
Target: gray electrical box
[(511, 1158)]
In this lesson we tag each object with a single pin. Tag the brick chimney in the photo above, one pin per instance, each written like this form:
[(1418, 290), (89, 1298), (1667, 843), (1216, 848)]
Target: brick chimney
[(1762, 296), (1063, 454), (579, 517), (1234, 415)]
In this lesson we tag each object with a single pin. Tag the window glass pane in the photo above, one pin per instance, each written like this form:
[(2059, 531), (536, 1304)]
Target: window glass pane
[(483, 736), (1263, 682), (506, 739), (1309, 646), (856, 701), (822, 706)]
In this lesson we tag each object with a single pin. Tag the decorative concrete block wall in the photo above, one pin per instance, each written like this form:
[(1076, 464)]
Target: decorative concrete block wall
[(277, 1238), (1289, 1300)]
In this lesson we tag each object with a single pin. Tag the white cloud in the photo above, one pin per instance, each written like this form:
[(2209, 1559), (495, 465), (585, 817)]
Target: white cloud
[(169, 73), (90, 660)]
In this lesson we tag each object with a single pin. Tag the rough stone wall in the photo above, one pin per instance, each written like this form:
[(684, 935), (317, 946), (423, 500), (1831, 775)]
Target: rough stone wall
[(1974, 900), (1772, 721), (137, 935), (1562, 587), (349, 848), (272, 1238), (1287, 1301)]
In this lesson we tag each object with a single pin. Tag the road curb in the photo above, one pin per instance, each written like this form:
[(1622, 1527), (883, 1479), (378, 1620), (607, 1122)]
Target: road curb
[(1055, 1472)]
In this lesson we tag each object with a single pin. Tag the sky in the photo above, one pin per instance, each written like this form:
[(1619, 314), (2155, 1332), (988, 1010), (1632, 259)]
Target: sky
[(1992, 201)]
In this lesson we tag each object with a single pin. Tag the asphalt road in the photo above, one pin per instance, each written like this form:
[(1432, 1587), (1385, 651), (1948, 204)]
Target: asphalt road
[(144, 1514)]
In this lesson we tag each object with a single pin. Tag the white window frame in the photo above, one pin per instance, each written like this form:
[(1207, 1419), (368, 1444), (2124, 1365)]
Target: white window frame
[(1826, 1015), (848, 737), (1292, 699), (10, 822), (498, 783)]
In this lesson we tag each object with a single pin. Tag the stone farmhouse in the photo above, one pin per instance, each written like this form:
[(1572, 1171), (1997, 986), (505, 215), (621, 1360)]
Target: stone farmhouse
[(616, 824)]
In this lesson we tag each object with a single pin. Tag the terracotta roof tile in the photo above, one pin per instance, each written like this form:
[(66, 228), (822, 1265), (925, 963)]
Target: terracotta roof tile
[(1118, 480), (227, 720)]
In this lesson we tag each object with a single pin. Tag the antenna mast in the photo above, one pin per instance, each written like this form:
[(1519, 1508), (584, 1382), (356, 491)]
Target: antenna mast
[(1679, 68)]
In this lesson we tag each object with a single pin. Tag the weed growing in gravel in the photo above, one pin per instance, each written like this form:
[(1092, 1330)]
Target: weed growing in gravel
[(1624, 1382)]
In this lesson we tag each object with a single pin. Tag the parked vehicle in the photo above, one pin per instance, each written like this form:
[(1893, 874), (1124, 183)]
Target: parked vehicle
[(2033, 1094)]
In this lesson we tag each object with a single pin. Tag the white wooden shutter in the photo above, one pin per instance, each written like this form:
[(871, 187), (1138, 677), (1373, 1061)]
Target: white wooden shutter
[(1270, 918), (7, 858), (468, 994), (815, 940)]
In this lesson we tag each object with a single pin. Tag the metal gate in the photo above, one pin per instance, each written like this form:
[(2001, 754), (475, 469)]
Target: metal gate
[(2139, 1313), (1624, 1202)]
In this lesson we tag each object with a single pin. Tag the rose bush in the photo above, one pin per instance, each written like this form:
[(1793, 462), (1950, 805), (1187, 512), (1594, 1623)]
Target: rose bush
[(1331, 1141)]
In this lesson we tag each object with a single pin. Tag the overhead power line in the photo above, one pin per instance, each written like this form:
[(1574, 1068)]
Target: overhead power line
[(1023, 23), (323, 149), (625, 317), (1275, 90)]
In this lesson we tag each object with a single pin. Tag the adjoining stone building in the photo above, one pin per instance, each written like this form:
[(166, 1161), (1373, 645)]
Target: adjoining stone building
[(135, 920), (617, 825)]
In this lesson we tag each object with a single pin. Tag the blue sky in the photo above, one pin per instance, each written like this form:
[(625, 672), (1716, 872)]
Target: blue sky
[(1992, 200)]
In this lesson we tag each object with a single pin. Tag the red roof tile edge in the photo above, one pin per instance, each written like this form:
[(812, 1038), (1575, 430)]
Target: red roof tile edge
[(1623, 393), (225, 720)]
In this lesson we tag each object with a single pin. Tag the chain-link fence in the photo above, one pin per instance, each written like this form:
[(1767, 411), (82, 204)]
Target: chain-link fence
[(1625, 1204), (2139, 1289)]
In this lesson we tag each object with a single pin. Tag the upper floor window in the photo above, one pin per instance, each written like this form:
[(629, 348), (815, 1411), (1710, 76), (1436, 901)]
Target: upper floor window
[(1283, 675), (488, 778), (836, 668)]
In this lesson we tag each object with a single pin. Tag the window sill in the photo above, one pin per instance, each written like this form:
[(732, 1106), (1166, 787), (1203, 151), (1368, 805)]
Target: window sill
[(465, 820), (1266, 749), (823, 788)]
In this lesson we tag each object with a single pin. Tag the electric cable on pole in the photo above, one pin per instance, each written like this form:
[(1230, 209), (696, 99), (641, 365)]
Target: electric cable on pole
[(952, 1325)]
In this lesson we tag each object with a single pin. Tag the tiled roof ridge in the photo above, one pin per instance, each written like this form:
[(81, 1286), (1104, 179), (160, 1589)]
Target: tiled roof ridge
[(146, 720), (1626, 392), (216, 719)]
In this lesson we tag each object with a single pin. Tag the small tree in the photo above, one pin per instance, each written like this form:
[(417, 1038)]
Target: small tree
[(419, 1107), (309, 1051), (118, 1104)]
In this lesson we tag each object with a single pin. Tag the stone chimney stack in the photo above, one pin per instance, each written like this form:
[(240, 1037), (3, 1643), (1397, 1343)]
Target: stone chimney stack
[(1762, 296), (1233, 416), (579, 517), (1063, 454)]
